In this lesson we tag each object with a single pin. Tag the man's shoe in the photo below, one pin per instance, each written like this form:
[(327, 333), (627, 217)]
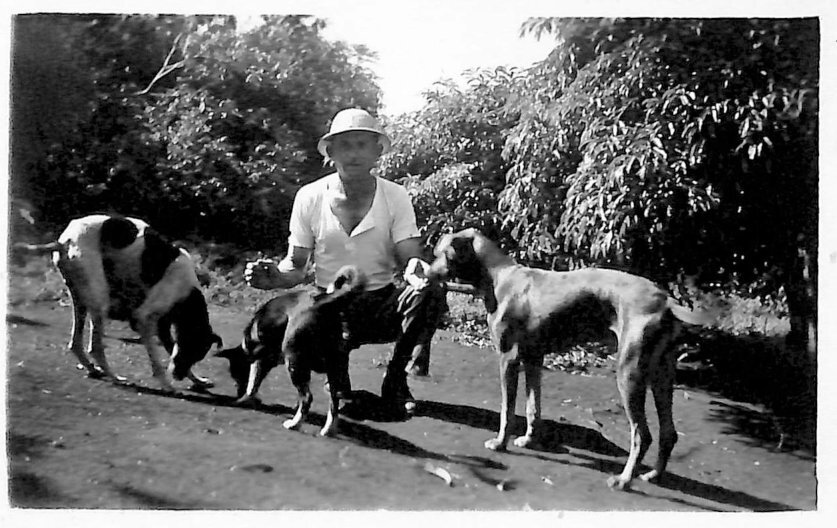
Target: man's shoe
[(398, 395)]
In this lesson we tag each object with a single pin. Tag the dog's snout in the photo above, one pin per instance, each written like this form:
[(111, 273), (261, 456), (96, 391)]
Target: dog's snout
[(181, 371), (177, 372), (438, 270)]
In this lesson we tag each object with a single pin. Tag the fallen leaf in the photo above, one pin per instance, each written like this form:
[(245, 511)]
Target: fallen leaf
[(442, 473)]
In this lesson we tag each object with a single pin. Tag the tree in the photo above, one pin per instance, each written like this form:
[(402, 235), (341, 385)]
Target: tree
[(207, 129), (449, 153), (673, 146), (50, 94), (103, 60)]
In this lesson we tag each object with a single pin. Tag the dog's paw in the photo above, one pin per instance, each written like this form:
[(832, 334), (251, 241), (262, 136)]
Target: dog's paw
[(93, 371), (652, 476), (291, 424), (619, 483), (248, 401), (330, 426), (495, 444), (199, 382), (118, 379), (524, 441), (328, 431), (200, 388)]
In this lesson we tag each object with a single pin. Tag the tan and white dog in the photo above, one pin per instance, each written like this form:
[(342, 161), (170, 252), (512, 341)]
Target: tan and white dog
[(531, 312)]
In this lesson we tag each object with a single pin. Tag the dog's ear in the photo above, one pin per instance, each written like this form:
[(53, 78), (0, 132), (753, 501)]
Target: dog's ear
[(464, 246), (443, 243)]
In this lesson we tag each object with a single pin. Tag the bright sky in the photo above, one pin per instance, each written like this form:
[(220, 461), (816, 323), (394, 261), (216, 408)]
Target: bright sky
[(418, 45), (421, 41)]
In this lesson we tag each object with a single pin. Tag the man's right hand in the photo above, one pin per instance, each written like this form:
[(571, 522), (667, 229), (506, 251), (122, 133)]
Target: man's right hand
[(262, 274)]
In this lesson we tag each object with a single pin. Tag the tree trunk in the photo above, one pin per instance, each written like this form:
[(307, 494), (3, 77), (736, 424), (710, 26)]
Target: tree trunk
[(801, 292)]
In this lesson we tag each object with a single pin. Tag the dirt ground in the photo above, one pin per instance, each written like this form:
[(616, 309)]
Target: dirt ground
[(75, 442)]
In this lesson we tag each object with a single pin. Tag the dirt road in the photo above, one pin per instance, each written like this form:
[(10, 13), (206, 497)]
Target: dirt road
[(81, 443)]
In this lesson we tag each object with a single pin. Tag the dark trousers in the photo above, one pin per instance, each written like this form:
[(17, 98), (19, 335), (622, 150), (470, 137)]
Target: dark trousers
[(401, 314)]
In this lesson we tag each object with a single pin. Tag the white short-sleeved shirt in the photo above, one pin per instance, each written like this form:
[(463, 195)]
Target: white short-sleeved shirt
[(371, 245)]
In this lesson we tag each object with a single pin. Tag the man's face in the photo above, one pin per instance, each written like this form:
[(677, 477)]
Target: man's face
[(355, 153)]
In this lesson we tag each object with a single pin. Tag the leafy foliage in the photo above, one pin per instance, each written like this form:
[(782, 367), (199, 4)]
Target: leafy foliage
[(449, 153), (211, 131), (663, 146), (659, 144)]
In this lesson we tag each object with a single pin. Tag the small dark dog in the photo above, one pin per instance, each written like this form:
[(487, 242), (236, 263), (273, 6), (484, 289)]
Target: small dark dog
[(303, 328)]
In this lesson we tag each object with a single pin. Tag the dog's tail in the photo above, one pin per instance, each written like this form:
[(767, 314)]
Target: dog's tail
[(349, 280), (696, 317)]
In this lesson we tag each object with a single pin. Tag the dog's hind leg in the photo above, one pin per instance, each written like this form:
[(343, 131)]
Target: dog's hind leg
[(508, 394), (258, 372), (668, 434), (76, 344), (532, 371), (662, 387), (147, 328), (300, 375), (338, 386), (303, 405), (333, 416), (97, 346), (631, 381)]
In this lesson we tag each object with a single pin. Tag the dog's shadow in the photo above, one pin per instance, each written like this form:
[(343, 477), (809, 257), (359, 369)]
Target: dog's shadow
[(206, 396), (553, 437), (607, 457), (15, 319), (364, 406)]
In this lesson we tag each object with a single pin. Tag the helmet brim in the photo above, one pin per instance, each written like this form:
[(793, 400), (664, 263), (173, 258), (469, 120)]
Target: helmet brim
[(322, 144)]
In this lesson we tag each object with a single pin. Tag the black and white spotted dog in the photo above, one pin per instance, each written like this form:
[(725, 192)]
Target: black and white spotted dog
[(120, 268)]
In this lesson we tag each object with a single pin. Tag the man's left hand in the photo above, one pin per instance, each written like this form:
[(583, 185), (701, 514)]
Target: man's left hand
[(416, 273)]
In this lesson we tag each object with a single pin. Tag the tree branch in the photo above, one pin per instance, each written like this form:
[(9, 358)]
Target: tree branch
[(166, 68)]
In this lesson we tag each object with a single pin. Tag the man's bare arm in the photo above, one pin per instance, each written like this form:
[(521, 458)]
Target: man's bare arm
[(267, 274)]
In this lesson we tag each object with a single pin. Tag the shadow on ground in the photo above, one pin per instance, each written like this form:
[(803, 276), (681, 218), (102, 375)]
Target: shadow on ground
[(590, 449), (756, 370)]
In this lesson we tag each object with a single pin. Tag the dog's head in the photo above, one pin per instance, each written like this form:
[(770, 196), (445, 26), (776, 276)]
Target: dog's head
[(194, 337), (239, 367), (457, 257), (262, 337), (188, 351)]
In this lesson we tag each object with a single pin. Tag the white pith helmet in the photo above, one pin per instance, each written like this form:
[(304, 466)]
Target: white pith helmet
[(354, 119)]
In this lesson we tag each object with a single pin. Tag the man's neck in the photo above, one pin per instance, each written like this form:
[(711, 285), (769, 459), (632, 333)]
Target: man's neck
[(357, 185)]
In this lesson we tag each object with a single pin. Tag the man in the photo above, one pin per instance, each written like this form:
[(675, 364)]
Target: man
[(354, 217)]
